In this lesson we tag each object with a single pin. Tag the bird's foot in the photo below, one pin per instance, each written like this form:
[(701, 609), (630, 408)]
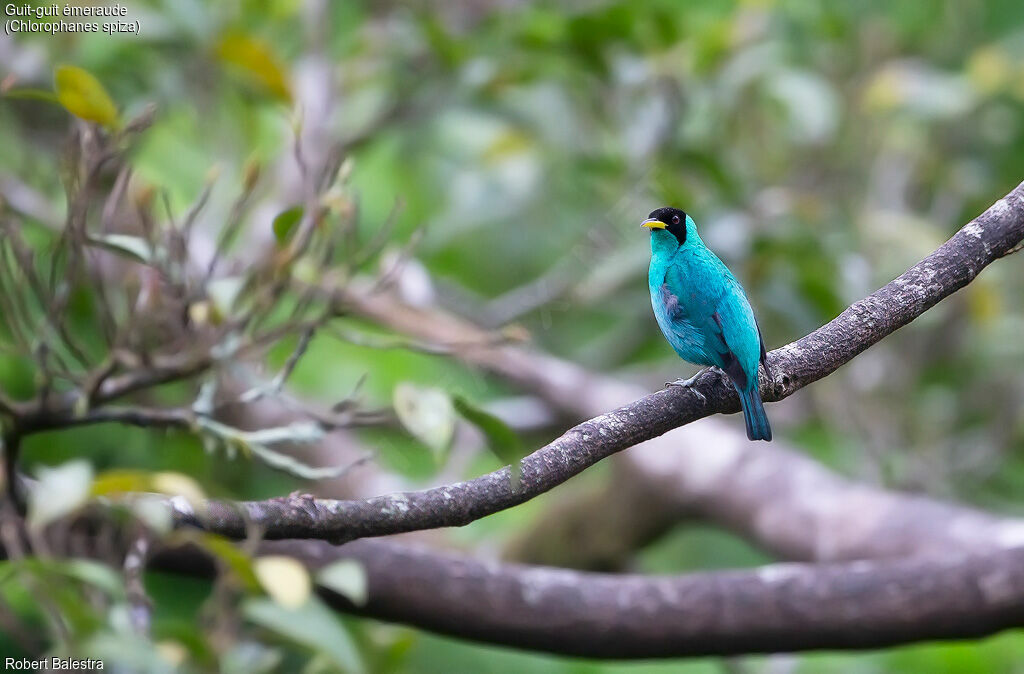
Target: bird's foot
[(688, 384)]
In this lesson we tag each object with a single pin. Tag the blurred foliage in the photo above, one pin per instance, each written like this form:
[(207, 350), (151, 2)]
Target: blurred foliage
[(821, 147)]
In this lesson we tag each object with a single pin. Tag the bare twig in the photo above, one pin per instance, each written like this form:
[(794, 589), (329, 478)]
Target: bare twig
[(140, 606)]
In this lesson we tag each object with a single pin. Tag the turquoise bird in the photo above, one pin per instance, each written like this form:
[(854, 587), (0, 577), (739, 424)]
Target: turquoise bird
[(703, 312)]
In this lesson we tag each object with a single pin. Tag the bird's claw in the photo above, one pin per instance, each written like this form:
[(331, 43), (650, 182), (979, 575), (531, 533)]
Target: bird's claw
[(688, 384)]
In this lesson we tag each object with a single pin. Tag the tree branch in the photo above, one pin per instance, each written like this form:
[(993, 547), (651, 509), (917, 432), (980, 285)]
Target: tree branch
[(783, 607), (775, 608), (952, 266), (797, 509)]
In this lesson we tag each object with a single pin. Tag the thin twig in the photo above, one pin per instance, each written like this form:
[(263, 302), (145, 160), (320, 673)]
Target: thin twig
[(139, 605)]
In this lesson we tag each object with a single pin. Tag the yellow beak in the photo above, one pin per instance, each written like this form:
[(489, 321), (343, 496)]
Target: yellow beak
[(651, 223)]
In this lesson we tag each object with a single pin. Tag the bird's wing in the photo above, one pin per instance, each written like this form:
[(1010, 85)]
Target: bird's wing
[(764, 352), (739, 330), (703, 297), (730, 362)]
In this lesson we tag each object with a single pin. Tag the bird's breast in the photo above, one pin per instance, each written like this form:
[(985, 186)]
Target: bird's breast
[(685, 338)]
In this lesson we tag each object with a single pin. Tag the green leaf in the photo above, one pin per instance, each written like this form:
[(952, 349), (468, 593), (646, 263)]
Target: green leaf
[(133, 247), (347, 577), (153, 512), (257, 443), (427, 414), (292, 465), (86, 571), (312, 625), (32, 95), (237, 561), (125, 652), (83, 95), (502, 440), (250, 657), (58, 492), (285, 223), (94, 573), (224, 293)]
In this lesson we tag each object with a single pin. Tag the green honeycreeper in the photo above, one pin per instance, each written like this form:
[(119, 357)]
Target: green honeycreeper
[(703, 312)]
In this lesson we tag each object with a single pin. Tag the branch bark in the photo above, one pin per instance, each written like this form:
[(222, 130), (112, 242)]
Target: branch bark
[(797, 509), (783, 607), (991, 235), (771, 609)]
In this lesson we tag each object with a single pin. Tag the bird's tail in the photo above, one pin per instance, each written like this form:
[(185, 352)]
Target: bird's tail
[(754, 416)]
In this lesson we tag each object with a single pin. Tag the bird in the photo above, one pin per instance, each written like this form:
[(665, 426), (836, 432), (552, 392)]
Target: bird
[(704, 313)]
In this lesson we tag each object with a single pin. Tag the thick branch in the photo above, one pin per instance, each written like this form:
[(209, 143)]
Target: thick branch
[(786, 607), (958, 261), (797, 509), (776, 608)]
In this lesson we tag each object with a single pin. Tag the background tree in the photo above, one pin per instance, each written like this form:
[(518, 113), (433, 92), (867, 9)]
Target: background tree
[(259, 253)]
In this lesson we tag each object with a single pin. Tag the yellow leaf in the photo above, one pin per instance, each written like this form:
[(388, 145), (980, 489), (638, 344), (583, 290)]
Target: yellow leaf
[(989, 69), (200, 313), (83, 96), (256, 59), (506, 145), (171, 652), (177, 484), (285, 579), (120, 482), (985, 302), (128, 481), (883, 92)]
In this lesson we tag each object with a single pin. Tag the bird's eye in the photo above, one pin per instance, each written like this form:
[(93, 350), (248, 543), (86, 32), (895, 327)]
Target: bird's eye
[(675, 219)]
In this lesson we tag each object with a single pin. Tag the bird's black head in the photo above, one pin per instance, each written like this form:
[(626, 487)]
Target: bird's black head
[(670, 219)]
